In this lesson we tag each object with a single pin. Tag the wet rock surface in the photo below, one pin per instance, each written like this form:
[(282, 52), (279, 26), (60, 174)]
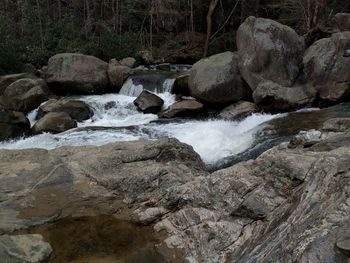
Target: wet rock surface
[(238, 110), (148, 102), (184, 108)]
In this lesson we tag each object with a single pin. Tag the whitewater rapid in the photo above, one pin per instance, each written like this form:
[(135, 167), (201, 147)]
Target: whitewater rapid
[(212, 139), (117, 119)]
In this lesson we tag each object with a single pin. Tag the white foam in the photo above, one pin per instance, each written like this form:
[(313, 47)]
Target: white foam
[(114, 110), (214, 140)]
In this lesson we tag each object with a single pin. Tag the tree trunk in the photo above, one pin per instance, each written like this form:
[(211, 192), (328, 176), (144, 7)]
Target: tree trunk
[(212, 6)]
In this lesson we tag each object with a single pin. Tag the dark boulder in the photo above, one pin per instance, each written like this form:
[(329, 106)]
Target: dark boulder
[(13, 124), (118, 73), (25, 95), (273, 97), (148, 102)]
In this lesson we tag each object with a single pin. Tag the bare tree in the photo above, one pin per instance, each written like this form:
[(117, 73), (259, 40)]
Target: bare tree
[(211, 9)]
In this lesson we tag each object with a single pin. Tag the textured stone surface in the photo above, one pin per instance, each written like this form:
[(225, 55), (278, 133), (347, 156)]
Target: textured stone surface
[(24, 249), (71, 73), (148, 102), (269, 50), (54, 122), (13, 124), (25, 95), (118, 73), (238, 110), (217, 79), (78, 110), (273, 97), (327, 65), (184, 108)]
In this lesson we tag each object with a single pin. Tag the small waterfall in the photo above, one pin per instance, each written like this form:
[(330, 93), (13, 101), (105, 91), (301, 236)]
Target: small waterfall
[(154, 83)]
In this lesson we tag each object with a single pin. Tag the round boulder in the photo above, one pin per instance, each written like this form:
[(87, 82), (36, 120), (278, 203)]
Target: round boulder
[(25, 95), (6, 80), (118, 73), (327, 65), (54, 122), (217, 79), (76, 109), (269, 51), (13, 124), (71, 73), (148, 102)]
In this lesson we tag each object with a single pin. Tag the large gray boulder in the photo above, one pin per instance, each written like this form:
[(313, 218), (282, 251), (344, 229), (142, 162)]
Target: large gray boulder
[(70, 73), (269, 50), (343, 21), (217, 79), (327, 65), (118, 73), (77, 110), (24, 249), (54, 122), (273, 97), (13, 124), (25, 95)]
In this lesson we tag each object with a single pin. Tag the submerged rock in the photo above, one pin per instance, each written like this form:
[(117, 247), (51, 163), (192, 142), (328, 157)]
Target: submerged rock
[(269, 51), (25, 95), (327, 66), (71, 73), (54, 122), (77, 110), (24, 249), (148, 102), (13, 124), (217, 79)]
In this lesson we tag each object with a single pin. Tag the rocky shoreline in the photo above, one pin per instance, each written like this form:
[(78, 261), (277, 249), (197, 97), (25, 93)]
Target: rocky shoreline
[(290, 204)]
